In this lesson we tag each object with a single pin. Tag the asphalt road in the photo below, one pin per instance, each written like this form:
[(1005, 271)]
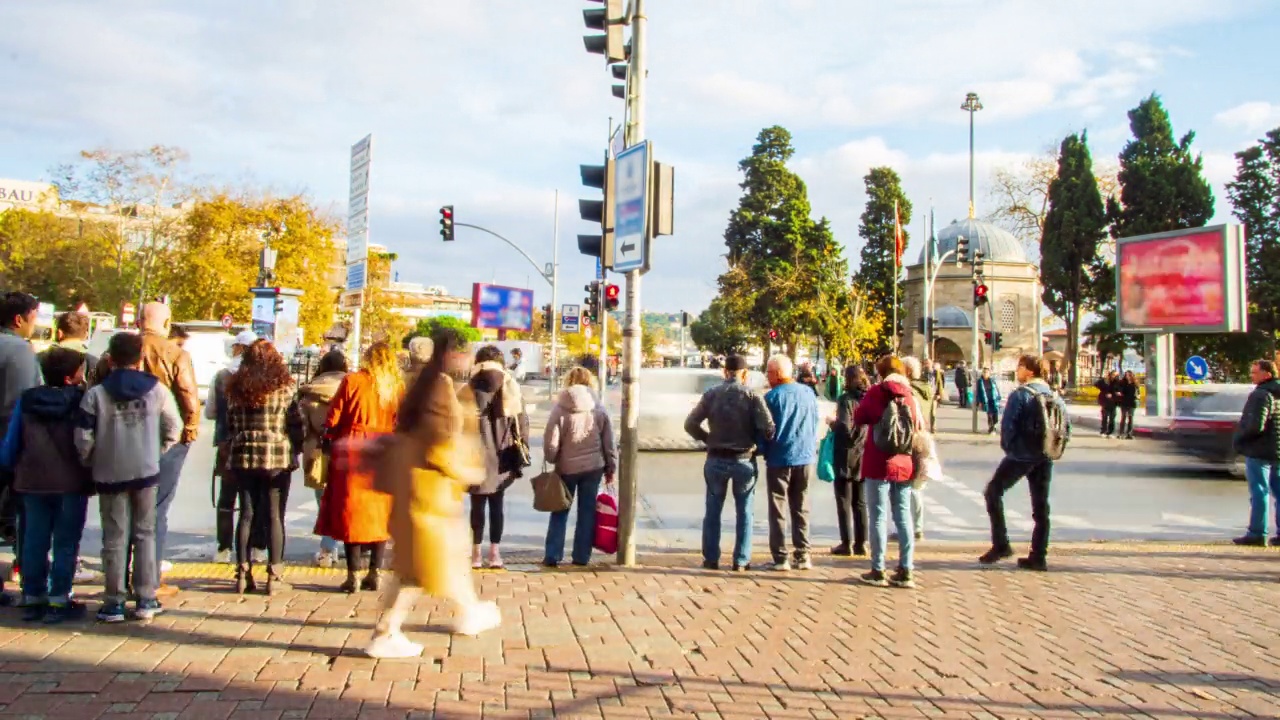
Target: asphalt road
[(1103, 490)]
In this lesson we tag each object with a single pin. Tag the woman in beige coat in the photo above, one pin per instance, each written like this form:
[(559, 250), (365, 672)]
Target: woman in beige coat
[(313, 400), (427, 466)]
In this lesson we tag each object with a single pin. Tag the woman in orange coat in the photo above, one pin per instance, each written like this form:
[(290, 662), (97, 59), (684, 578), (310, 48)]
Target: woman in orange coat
[(351, 510)]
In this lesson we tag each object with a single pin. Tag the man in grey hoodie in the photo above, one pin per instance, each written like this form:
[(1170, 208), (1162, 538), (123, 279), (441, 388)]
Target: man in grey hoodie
[(129, 421), (18, 373)]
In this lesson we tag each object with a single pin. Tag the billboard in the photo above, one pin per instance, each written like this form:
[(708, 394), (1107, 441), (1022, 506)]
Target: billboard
[(501, 308), (1182, 281)]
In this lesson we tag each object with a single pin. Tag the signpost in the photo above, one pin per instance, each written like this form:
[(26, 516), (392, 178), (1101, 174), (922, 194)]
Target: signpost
[(358, 227), (569, 315), (1197, 368), (631, 212)]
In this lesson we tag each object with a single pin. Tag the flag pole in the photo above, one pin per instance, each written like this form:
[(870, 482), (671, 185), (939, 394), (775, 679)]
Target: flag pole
[(897, 345)]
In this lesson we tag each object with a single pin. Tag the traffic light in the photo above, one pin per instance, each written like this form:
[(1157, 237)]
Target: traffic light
[(611, 297), (620, 73), (684, 319), (591, 303), (598, 212), (773, 335), (978, 267), (962, 249), (446, 223), (608, 19), (979, 294), (997, 340), (926, 324), (548, 317)]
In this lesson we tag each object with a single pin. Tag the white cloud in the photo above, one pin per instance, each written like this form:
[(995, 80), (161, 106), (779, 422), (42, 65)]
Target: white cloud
[(1253, 117)]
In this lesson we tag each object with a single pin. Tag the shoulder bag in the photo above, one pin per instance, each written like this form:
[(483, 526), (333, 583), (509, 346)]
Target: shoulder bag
[(549, 491)]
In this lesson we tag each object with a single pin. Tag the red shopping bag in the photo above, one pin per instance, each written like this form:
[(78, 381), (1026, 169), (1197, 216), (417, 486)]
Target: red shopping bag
[(606, 539)]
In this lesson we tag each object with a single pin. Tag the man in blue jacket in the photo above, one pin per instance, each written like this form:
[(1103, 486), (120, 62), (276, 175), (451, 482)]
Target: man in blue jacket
[(790, 460)]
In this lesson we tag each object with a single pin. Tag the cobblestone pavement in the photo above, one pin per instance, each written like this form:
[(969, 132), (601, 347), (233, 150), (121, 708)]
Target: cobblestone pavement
[(1114, 630)]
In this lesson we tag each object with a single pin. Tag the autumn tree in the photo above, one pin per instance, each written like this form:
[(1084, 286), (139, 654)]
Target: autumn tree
[(378, 318), (60, 260), (887, 211)]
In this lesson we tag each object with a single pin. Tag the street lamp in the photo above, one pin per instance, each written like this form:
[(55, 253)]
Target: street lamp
[(971, 105)]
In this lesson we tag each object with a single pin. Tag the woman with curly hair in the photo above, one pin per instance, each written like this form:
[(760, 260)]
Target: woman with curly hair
[(351, 511), (264, 428)]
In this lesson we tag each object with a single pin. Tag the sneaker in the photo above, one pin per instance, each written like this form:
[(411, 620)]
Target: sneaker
[(34, 610), (995, 555), (741, 567), (841, 551), (147, 609), (1030, 563), (804, 563), (58, 613), (223, 557), (166, 566), (258, 555), (550, 563), (394, 645), (325, 559), (111, 613), (784, 566), (478, 618), (710, 565), (1251, 540), (875, 578), (902, 578)]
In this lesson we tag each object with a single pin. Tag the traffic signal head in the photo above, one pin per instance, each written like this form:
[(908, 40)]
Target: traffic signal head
[(609, 20), (598, 212), (611, 297), (997, 340), (548, 317), (979, 295), (591, 303), (962, 249), (773, 334), (978, 257), (446, 223)]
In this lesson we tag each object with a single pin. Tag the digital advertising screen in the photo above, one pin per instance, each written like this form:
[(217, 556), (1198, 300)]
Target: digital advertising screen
[(1187, 281), (501, 308)]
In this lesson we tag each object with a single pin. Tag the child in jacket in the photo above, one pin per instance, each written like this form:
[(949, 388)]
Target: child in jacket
[(39, 448), (128, 422)]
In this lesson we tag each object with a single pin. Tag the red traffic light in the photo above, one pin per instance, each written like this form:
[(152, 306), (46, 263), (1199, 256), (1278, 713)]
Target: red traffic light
[(773, 334), (980, 291), (446, 212), (611, 292), (987, 336)]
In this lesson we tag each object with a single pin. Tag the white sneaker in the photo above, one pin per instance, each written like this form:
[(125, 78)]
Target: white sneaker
[(804, 563), (478, 618), (258, 555), (783, 566), (222, 557), (165, 566), (324, 559), (395, 645)]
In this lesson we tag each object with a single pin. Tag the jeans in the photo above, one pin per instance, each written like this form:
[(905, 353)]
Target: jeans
[(263, 494), (1108, 419), (586, 486), (125, 515), (917, 508), (1263, 477), (721, 474), (851, 512), (53, 522), (170, 470), (789, 497), (496, 517), (327, 544), (1126, 422), (1038, 473), (884, 497)]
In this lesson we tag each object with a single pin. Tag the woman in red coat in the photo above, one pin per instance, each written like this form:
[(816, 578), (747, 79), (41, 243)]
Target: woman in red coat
[(351, 510)]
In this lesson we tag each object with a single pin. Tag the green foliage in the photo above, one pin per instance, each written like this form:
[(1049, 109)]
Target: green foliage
[(784, 268), (1255, 196), (1108, 342), (427, 327), (1074, 228), (59, 260), (717, 331), (876, 270)]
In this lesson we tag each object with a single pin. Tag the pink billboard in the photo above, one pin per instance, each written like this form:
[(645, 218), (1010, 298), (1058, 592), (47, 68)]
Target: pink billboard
[(1185, 281)]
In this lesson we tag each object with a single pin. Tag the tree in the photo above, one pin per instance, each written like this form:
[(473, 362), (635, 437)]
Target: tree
[(876, 272), (783, 266), (378, 318), (716, 331), (1074, 226), (1021, 196), (1255, 198), (1108, 342), (855, 331), (427, 327), (60, 260)]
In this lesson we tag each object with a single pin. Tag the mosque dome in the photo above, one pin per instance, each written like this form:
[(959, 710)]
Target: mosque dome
[(998, 244)]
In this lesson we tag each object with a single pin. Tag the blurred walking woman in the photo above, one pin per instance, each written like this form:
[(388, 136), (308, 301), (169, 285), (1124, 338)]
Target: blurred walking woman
[(351, 510), (265, 433), (427, 467)]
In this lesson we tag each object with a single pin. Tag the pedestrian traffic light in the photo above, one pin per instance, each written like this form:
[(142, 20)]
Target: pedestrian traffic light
[(978, 267), (548, 317), (446, 223), (599, 212), (611, 298), (608, 19), (962, 249), (591, 303), (979, 294), (773, 335)]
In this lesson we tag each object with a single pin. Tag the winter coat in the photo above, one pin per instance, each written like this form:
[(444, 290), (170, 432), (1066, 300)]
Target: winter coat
[(313, 402), (1107, 392), (795, 420), (19, 372), (579, 435), (351, 510), (267, 437), (1258, 434), (923, 390), (1128, 395), (1015, 437), (40, 443), (987, 395), (876, 463), (427, 471), (850, 438), (172, 367), (503, 424), (962, 378), (129, 421)]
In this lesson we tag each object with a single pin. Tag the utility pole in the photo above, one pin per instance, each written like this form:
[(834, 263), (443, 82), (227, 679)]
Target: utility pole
[(971, 105), (553, 381), (628, 465)]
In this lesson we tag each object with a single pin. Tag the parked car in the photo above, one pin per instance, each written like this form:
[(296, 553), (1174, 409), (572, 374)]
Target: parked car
[(1205, 421)]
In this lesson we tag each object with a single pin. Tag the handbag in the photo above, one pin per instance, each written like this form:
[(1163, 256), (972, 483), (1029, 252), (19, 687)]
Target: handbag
[(827, 457), (550, 493)]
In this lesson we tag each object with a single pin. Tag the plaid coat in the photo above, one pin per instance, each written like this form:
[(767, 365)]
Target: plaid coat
[(267, 437)]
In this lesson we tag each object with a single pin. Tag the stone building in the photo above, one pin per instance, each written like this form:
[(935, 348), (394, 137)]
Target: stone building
[(1013, 306)]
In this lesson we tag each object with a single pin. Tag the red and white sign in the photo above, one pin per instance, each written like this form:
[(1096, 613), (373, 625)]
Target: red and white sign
[(126, 314), (226, 322)]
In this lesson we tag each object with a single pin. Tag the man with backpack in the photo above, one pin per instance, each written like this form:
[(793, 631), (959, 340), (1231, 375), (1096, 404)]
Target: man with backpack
[(1033, 434)]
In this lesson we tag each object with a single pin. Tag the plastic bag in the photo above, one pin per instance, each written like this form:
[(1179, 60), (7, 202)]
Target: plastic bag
[(827, 458), (606, 536)]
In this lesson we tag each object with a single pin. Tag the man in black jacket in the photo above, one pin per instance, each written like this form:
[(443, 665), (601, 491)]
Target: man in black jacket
[(1257, 439), (962, 384)]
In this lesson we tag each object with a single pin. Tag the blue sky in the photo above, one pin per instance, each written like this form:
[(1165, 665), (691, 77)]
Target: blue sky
[(491, 105)]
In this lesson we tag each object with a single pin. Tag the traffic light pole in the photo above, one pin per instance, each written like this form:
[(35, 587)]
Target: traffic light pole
[(628, 465)]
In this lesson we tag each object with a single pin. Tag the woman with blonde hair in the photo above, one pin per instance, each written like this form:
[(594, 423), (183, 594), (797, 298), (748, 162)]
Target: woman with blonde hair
[(578, 441), (351, 511)]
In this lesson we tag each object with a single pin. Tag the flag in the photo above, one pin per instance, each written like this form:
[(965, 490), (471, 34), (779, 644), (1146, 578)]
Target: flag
[(897, 235)]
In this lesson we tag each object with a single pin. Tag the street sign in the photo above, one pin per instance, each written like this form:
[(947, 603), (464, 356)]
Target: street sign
[(1197, 368), (227, 320), (569, 316), (351, 300), (599, 268), (631, 212), (586, 321), (358, 213)]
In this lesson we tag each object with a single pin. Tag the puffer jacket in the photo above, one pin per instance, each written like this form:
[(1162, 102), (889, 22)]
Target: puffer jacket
[(876, 463), (502, 425), (1258, 434), (579, 434)]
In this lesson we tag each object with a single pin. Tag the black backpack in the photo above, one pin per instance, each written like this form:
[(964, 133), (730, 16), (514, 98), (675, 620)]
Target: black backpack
[(1048, 425), (895, 432)]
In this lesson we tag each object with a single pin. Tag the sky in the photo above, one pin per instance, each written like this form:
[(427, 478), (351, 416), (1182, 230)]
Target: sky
[(491, 105)]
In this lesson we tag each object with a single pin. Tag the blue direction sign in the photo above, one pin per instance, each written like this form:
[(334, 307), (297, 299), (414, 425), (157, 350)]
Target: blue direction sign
[(1197, 368), (631, 217)]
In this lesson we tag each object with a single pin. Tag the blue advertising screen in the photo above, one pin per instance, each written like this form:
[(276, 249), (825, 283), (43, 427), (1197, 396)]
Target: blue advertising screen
[(501, 308)]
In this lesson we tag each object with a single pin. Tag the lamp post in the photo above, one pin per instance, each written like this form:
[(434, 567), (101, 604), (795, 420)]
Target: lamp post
[(971, 105)]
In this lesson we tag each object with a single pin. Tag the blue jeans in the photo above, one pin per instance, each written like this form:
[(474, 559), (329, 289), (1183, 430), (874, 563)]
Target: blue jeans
[(52, 522), (719, 473), (1263, 477), (170, 470), (585, 486), (883, 497)]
